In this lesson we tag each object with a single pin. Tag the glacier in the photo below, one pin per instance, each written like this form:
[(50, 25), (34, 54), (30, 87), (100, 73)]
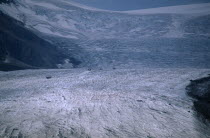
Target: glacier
[(135, 66), (112, 34)]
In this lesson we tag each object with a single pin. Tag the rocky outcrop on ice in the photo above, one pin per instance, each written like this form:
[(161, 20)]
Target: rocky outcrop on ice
[(200, 89)]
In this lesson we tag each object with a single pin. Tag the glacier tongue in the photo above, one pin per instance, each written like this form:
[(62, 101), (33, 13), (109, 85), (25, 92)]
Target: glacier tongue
[(134, 68), (118, 103)]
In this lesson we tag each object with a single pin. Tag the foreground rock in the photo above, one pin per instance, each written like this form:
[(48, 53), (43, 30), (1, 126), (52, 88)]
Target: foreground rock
[(200, 89)]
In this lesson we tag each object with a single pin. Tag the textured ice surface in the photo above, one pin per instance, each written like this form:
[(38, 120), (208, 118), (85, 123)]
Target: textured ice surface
[(67, 19), (110, 103), (139, 65), (147, 52)]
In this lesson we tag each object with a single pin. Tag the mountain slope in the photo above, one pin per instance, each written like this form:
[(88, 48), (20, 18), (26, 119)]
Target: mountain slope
[(20, 48), (70, 20), (176, 36)]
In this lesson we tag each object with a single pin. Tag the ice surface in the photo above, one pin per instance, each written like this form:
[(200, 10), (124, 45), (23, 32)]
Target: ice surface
[(135, 67), (111, 103)]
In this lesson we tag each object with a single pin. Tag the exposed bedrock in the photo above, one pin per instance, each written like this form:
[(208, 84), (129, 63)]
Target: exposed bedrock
[(20, 48), (200, 90)]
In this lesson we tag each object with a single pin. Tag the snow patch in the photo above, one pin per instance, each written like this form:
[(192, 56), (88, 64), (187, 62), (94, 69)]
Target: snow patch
[(203, 8)]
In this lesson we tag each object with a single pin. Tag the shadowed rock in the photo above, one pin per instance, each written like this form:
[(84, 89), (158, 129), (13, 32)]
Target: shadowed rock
[(200, 89), (20, 48), (6, 1), (48, 77)]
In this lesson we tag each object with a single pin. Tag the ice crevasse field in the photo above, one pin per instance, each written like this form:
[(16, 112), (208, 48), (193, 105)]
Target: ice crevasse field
[(129, 81)]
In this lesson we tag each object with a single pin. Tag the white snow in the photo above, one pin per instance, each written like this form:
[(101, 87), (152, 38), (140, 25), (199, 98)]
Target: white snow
[(79, 22), (110, 103), (48, 31), (44, 4), (203, 8)]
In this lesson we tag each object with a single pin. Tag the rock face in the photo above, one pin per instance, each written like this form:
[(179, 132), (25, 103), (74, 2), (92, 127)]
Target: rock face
[(6, 1), (20, 48), (200, 89)]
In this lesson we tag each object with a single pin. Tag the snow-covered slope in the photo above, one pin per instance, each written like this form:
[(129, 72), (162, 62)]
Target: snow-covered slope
[(67, 19), (201, 9), (180, 34), (20, 48)]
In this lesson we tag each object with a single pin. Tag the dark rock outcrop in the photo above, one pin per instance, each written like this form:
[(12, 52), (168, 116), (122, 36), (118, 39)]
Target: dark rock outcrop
[(6, 1), (200, 90), (20, 48)]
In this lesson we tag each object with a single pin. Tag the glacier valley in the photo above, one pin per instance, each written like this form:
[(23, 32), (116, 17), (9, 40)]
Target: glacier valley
[(119, 74)]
